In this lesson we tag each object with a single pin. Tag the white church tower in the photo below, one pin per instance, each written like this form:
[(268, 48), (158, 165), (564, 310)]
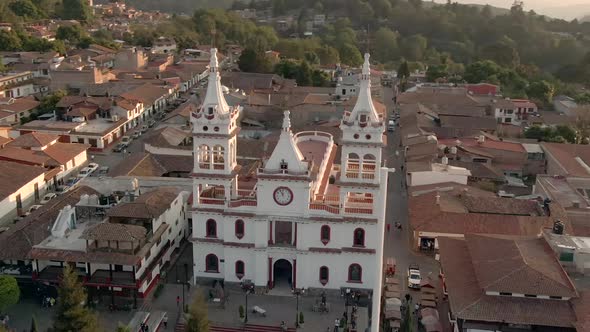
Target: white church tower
[(362, 135), (215, 132)]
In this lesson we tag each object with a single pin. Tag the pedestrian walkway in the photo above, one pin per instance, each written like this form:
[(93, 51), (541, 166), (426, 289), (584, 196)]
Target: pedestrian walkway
[(249, 328)]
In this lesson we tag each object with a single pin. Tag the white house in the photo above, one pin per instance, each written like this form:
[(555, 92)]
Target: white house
[(303, 222), (20, 184), (425, 173), (122, 254)]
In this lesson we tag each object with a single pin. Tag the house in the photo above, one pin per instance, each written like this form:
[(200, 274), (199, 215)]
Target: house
[(122, 250), (567, 159), (573, 194), (438, 211), (130, 58), (16, 85), (519, 284), (573, 252), (420, 173), (169, 141), (508, 157), (17, 242), (142, 164), (288, 214), (40, 149), (21, 184), (568, 106), (13, 110), (164, 45)]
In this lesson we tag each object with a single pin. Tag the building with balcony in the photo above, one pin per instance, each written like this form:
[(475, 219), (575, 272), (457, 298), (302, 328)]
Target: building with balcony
[(298, 220), (117, 243)]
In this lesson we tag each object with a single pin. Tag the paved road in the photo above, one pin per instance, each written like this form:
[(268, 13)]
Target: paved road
[(397, 242)]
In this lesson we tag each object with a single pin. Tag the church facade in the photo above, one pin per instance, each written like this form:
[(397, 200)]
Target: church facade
[(304, 221)]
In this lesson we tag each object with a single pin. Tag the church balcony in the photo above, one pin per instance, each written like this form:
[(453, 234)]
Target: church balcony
[(313, 136), (212, 201), (282, 172), (244, 198)]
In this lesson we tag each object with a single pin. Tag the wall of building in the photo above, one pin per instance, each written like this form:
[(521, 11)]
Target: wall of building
[(74, 164), (432, 177), (27, 193), (166, 151), (63, 79)]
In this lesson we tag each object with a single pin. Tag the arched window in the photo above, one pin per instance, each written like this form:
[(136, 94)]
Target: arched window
[(239, 227), (355, 273), (324, 275), (203, 154), (211, 228), (240, 269), (359, 238), (211, 263), (325, 234)]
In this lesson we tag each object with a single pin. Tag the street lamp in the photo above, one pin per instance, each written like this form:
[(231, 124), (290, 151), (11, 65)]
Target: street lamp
[(247, 288), (346, 304), (183, 283), (297, 292)]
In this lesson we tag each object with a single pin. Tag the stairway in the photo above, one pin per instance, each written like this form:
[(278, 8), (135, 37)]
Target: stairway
[(248, 328)]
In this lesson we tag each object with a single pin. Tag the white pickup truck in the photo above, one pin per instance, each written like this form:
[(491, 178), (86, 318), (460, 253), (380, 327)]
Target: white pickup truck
[(414, 278)]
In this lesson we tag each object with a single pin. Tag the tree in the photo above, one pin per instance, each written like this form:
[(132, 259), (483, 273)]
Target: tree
[(480, 71), (541, 90), (70, 33), (304, 74), (254, 61), (328, 55), (386, 48), (502, 54), (72, 314), (9, 292), (436, 72), (198, 320), (25, 8), (34, 327), (9, 41), (403, 72), (583, 98), (76, 10), (123, 328), (350, 55), (414, 47)]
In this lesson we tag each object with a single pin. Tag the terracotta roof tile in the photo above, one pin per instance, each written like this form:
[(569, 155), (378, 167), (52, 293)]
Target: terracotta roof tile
[(115, 232), (566, 154), (147, 206), (33, 140)]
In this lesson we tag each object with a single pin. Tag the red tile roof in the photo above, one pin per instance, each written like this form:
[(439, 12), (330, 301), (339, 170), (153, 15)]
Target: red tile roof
[(33, 140), (565, 156), (487, 144), (468, 300)]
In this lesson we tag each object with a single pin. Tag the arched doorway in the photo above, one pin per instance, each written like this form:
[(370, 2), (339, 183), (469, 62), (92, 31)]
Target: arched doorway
[(282, 274)]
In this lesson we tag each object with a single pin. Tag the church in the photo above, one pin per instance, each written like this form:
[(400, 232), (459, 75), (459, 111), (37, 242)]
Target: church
[(305, 221)]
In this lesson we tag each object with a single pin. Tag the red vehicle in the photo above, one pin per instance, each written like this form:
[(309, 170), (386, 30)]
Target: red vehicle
[(390, 267)]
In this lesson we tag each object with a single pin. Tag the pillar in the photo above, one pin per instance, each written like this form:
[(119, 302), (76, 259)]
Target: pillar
[(270, 283), (294, 273)]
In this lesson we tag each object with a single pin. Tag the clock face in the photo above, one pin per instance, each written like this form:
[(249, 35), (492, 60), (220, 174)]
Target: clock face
[(283, 196)]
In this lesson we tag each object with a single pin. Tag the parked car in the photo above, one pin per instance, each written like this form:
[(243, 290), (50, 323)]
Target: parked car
[(62, 189), (120, 147), (48, 197), (104, 170), (391, 126), (31, 209), (136, 134), (414, 278), (151, 123), (144, 128), (126, 140), (92, 167), (72, 181), (84, 172)]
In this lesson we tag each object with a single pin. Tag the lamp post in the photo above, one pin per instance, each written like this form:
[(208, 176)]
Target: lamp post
[(183, 283), (247, 288), (346, 305), (297, 292)]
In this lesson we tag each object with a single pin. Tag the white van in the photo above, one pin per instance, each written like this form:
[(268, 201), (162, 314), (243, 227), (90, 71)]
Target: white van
[(391, 125)]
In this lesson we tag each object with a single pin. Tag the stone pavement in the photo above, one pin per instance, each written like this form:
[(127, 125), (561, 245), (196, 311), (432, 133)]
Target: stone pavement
[(283, 308)]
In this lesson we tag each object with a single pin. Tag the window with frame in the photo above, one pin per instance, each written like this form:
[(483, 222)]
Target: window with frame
[(211, 263), (355, 273), (359, 237), (211, 228), (240, 269), (239, 228), (325, 234), (324, 275)]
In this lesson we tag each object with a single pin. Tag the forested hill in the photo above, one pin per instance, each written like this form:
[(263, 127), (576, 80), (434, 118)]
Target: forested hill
[(178, 6)]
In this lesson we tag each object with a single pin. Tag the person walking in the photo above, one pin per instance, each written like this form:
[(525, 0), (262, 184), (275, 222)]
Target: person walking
[(165, 320), (177, 302)]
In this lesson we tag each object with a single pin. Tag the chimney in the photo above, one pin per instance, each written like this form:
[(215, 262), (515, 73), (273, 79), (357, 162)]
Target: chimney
[(481, 139), (558, 227), (437, 198)]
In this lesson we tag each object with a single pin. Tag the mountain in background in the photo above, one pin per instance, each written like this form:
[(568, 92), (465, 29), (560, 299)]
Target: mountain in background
[(567, 9), (176, 6)]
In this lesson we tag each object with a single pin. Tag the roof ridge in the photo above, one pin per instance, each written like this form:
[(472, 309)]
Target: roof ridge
[(537, 271)]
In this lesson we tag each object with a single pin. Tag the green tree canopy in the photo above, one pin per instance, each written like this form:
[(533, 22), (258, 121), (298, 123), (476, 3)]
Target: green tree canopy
[(76, 10), (25, 8), (9, 292), (72, 314), (254, 61), (350, 55), (541, 91), (198, 320), (386, 47)]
